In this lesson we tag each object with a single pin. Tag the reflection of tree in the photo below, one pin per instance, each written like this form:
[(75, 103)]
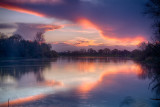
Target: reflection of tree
[(127, 101), (152, 72), (18, 68), (94, 59)]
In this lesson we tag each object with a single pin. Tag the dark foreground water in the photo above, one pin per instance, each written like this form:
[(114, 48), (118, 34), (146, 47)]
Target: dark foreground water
[(78, 82)]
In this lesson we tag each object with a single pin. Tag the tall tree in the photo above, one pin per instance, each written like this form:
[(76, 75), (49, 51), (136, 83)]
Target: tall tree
[(39, 37), (153, 10)]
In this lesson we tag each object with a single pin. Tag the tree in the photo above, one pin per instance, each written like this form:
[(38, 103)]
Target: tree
[(115, 52), (39, 37), (106, 51), (16, 46), (100, 52), (16, 37), (91, 51), (3, 36), (153, 10), (142, 46)]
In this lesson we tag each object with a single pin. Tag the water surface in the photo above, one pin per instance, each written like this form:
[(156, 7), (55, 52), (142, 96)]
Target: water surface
[(77, 82)]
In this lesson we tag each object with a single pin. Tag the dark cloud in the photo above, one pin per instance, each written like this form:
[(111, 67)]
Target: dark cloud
[(124, 18), (29, 30), (7, 26)]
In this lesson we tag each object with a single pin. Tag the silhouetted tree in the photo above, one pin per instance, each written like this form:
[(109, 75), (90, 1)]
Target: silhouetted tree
[(16, 37), (91, 52), (153, 9), (106, 51), (3, 36), (16, 46), (101, 52), (150, 52), (115, 52), (39, 37)]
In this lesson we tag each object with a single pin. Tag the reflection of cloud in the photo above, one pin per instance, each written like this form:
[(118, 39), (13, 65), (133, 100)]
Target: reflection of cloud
[(86, 66), (107, 77), (52, 83), (22, 100)]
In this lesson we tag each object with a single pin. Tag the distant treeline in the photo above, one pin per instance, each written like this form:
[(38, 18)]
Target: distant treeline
[(145, 52), (101, 52), (16, 46)]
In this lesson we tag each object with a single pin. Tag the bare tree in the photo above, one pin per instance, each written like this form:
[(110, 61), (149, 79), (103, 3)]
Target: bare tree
[(39, 37), (153, 10), (3, 36)]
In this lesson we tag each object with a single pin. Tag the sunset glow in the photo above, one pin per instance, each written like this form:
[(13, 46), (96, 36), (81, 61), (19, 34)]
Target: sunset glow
[(18, 9), (123, 41), (79, 26), (109, 71), (79, 53), (83, 77)]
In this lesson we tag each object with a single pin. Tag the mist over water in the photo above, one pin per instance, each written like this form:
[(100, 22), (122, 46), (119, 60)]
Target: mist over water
[(78, 82)]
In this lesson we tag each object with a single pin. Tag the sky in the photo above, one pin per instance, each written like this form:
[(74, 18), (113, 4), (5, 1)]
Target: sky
[(76, 24)]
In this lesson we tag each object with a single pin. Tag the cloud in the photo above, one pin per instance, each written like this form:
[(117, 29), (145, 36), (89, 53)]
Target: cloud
[(114, 19), (29, 30), (7, 26), (80, 41), (64, 46), (110, 36), (34, 1)]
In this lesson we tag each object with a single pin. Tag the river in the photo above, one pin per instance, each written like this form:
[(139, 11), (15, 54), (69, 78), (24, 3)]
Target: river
[(78, 82)]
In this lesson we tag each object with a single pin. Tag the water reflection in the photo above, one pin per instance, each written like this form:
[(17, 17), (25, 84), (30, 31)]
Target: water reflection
[(78, 82), (152, 72)]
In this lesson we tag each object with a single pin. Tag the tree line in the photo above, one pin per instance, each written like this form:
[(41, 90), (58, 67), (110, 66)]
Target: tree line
[(16, 46), (101, 53)]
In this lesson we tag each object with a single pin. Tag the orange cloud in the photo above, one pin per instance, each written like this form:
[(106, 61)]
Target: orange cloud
[(85, 23), (22, 10), (80, 41), (123, 41), (49, 27)]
